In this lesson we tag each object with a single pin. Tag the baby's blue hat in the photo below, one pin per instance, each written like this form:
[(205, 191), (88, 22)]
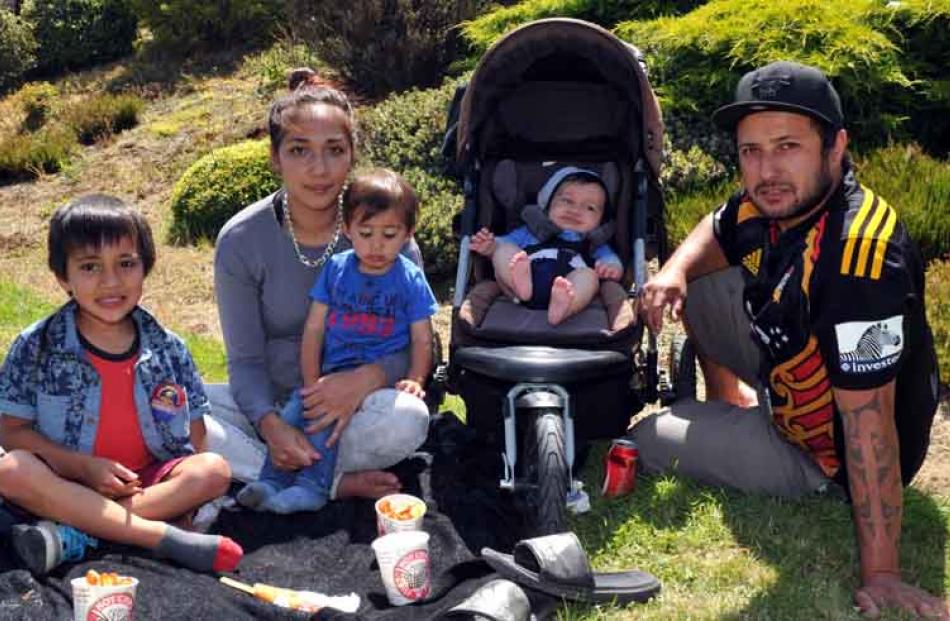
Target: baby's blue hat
[(554, 181)]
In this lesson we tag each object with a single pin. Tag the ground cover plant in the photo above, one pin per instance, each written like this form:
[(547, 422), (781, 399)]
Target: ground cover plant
[(720, 555)]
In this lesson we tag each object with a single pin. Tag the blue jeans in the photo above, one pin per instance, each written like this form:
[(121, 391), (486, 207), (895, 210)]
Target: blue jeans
[(319, 475)]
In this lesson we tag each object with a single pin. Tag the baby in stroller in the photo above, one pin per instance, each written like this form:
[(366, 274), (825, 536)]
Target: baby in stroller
[(557, 260)]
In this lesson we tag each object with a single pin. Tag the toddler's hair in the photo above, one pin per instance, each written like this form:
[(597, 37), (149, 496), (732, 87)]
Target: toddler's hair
[(95, 220), (380, 190), (307, 88)]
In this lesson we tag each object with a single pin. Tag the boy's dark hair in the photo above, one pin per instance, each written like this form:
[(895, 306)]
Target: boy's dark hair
[(380, 190), (95, 220), (307, 88)]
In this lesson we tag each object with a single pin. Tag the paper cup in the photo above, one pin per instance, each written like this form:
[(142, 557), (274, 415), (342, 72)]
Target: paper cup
[(94, 602), (404, 565), (386, 524)]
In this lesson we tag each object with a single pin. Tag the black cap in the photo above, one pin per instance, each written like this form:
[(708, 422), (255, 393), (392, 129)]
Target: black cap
[(784, 86)]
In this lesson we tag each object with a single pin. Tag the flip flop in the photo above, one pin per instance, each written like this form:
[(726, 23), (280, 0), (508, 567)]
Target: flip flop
[(496, 600), (558, 565)]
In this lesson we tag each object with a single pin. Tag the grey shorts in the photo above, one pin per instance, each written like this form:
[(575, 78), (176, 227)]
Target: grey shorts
[(715, 442)]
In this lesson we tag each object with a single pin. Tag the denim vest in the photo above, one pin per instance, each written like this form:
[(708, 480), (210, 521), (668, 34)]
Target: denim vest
[(47, 378)]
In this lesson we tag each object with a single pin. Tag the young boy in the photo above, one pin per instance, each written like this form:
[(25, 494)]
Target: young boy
[(556, 275), (368, 302), (102, 408)]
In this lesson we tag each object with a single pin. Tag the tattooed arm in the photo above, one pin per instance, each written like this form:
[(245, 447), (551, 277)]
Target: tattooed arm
[(874, 477)]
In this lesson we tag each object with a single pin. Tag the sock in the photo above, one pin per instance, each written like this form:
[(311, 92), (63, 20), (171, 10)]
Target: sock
[(296, 498), (200, 552), (254, 494)]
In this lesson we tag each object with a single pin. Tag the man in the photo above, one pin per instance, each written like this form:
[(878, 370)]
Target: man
[(824, 308)]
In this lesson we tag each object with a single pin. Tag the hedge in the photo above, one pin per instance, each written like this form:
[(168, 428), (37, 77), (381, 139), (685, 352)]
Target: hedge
[(78, 33), (182, 26), (697, 59), (217, 186), (486, 29), (937, 287), (17, 49), (382, 46)]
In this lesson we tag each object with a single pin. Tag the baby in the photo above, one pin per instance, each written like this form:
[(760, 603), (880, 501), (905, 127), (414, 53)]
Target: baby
[(562, 274)]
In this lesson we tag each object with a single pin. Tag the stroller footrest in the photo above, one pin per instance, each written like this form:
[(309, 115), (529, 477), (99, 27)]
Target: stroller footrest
[(524, 363)]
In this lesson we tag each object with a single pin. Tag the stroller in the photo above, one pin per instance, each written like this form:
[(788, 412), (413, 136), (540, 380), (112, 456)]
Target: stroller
[(553, 93)]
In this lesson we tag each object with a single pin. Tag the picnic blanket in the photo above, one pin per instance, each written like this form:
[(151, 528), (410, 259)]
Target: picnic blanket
[(327, 552)]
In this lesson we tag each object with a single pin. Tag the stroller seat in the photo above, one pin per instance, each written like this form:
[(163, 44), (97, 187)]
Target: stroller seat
[(542, 364)]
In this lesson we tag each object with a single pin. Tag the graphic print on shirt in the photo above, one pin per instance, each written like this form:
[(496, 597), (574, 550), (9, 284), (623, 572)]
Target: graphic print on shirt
[(870, 346), (364, 313), (168, 401)]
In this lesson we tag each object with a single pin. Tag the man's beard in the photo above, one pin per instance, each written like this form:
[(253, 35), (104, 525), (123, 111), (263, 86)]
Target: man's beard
[(807, 203)]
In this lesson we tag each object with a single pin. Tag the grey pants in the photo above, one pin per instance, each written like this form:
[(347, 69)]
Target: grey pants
[(715, 442), (389, 426)]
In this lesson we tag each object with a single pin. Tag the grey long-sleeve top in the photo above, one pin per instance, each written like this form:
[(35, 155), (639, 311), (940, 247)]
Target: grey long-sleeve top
[(262, 293)]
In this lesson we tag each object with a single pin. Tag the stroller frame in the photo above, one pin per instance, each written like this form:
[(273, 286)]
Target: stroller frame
[(538, 392)]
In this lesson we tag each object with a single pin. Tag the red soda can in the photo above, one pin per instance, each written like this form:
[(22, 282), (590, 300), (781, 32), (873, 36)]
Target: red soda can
[(620, 468)]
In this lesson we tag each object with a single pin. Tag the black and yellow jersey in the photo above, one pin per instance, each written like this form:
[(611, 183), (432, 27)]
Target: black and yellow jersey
[(836, 300)]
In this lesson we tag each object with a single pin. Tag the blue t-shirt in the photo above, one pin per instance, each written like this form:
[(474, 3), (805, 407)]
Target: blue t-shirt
[(368, 315), (523, 237)]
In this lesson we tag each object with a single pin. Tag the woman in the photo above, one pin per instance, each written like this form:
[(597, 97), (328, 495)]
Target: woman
[(266, 260)]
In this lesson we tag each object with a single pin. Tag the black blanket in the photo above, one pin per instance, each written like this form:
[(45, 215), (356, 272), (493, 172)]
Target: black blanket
[(327, 552)]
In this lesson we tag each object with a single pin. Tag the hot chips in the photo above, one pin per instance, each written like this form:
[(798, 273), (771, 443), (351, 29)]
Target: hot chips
[(95, 578), (401, 511)]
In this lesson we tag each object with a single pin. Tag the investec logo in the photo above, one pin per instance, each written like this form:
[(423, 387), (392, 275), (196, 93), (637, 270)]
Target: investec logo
[(869, 367), (869, 346)]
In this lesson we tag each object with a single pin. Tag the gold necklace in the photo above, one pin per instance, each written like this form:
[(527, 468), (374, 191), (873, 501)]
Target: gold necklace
[(328, 251)]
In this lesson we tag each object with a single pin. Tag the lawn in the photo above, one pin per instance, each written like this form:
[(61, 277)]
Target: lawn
[(720, 555)]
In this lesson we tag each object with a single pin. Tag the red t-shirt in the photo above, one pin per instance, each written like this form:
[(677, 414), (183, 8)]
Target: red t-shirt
[(118, 436)]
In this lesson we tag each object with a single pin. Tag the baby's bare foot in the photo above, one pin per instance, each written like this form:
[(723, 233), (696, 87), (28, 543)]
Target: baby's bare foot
[(520, 269), (562, 296)]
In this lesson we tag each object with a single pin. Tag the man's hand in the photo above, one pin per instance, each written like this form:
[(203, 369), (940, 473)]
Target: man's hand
[(667, 288), (883, 590), (608, 271), (109, 478), (287, 446), (412, 387), (483, 242)]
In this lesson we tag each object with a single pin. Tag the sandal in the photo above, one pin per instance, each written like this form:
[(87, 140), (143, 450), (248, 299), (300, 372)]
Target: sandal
[(496, 600), (558, 565)]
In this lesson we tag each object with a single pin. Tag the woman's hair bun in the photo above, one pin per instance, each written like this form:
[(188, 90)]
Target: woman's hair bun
[(300, 76)]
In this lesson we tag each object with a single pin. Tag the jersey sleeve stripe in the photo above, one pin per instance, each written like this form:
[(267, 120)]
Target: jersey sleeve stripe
[(868, 236), (853, 232), (881, 249)]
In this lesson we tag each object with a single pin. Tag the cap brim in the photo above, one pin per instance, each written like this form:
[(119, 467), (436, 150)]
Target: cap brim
[(727, 117)]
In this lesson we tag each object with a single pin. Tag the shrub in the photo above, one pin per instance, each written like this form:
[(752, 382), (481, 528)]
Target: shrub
[(937, 294), (24, 156), (97, 116), (37, 100), (440, 200), (697, 59), (78, 33), (271, 66), (918, 187), (182, 26), (484, 30), (17, 49), (217, 186), (383, 45), (684, 210)]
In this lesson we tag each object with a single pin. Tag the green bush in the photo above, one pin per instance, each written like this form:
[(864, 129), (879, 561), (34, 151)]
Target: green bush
[(79, 33), (97, 116), (182, 26), (937, 294), (17, 49), (918, 187), (440, 200), (484, 30), (270, 67), (217, 186), (383, 45), (697, 59), (37, 100), (920, 28), (25, 156), (684, 210)]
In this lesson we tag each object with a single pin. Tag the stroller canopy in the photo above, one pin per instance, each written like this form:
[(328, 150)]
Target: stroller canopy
[(562, 82)]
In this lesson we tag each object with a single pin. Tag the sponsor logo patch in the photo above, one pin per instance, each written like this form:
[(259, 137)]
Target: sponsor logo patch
[(168, 401), (869, 346)]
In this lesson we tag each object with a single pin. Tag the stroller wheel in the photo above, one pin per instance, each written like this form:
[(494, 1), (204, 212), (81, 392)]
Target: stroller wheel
[(683, 368), (549, 473)]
